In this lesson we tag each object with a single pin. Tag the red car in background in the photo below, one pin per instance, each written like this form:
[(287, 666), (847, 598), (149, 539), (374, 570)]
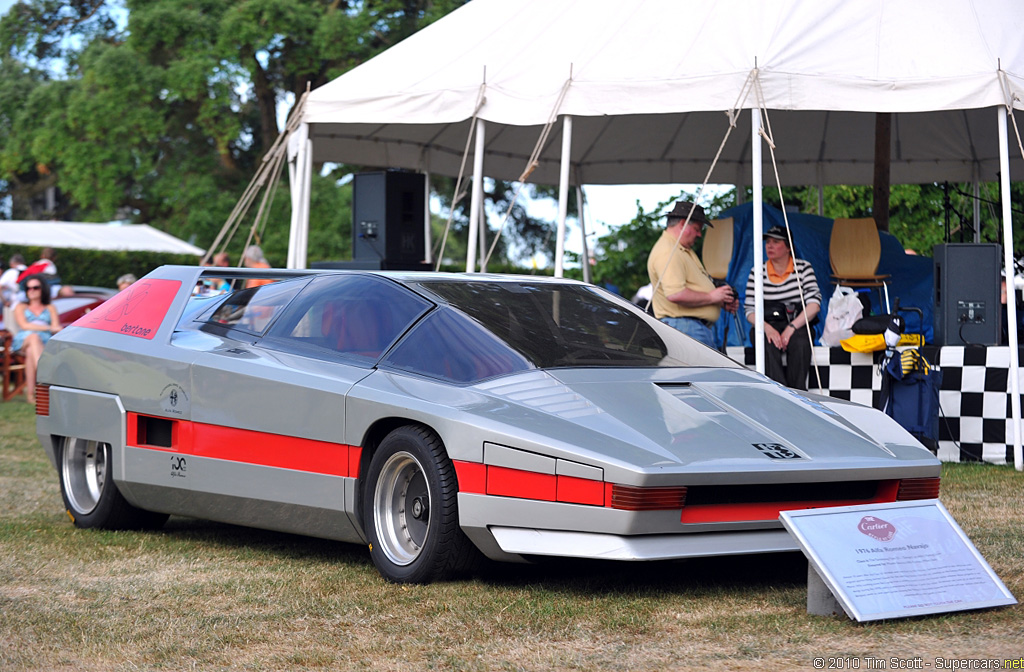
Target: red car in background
[(70, 308)]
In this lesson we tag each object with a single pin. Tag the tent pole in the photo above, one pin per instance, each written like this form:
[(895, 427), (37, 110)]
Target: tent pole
[(482, 251), (821, 191), (299, 177), (1011, 294), (294, 189), (583, 233), (307, 187), (427, 242), (977, 203), (563, 194), (477, 196), (755, 166)]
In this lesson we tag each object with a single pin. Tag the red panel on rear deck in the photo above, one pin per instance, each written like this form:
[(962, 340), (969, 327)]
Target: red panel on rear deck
[(136, 311)]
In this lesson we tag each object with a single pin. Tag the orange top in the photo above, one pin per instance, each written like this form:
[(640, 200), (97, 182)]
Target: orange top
[(777, 278)]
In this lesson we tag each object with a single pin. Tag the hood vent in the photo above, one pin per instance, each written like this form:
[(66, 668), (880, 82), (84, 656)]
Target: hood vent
[(541, 391)]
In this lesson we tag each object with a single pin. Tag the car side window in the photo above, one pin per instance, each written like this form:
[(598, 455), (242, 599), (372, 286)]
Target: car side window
[(452, 346), (356, 316), (251, 310)]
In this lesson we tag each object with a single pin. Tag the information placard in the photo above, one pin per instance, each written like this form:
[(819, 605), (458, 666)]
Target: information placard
[(896, 560)]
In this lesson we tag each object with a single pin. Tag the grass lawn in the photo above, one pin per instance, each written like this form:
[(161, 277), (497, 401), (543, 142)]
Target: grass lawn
[(206, 596)]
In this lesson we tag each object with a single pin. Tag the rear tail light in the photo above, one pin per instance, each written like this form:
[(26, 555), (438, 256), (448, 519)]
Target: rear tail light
[(42, 399), (918, 488), (632, 498)]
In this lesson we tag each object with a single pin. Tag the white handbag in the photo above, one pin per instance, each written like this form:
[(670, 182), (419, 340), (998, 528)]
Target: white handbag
[(844, 308)]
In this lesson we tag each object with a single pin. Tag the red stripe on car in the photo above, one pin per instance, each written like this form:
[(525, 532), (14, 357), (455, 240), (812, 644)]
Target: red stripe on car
[(507, 482), (243, 445), (472, 477), (481, 479), (573, 490)]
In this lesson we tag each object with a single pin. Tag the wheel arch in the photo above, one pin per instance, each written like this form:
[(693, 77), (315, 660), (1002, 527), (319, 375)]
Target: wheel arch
[(94, 416), (372, 438)]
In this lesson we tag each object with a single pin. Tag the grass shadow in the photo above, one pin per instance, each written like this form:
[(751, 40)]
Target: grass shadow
[(694, 576), (284, 545)]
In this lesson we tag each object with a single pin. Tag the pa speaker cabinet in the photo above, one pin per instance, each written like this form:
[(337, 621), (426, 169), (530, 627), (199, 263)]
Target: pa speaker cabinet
[(388, 217), (967, 306)]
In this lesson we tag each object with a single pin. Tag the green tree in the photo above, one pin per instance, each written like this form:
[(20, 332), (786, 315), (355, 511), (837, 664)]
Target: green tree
[(920, 215), (160, 111)]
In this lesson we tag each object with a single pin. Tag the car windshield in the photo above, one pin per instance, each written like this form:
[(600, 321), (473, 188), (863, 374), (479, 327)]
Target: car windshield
[(503, 327)]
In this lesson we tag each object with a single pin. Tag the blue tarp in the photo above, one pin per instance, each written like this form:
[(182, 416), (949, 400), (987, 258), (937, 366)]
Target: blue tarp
[(911, 275)]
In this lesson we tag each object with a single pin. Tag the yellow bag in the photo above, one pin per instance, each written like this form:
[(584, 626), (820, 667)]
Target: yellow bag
[(863, 343), (913, 340), (876, 342)]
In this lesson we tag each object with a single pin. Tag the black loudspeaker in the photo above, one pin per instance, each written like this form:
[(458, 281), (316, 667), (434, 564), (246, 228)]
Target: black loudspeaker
[(388, 217), (967, 306)]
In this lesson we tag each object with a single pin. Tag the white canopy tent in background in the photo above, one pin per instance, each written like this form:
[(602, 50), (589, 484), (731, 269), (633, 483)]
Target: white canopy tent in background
[(130, 237), (643, 89)]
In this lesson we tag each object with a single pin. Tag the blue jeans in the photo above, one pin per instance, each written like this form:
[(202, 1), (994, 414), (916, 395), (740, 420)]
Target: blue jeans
[(693, 328)]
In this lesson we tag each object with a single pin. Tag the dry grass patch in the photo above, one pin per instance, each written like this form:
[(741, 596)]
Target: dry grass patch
[(207, 596)]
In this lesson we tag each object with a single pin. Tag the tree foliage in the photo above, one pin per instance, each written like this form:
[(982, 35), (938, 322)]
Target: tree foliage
[(920, 215), (159, 111)]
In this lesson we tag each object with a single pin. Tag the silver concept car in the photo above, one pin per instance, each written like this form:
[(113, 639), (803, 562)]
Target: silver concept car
[(436, 417)]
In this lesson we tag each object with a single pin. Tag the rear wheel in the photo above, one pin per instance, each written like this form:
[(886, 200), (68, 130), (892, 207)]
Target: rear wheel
[(90, 495), (410, 505)]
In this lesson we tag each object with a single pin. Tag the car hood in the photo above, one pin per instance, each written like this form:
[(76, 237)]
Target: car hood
[(705, 420)]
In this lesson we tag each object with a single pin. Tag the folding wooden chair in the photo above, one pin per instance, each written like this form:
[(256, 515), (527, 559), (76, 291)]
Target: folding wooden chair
[(854, 251), (13, 370)]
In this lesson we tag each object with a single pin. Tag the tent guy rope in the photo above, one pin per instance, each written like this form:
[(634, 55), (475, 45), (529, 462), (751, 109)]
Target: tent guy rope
[(267, 177), (766, 133), (733, 115), (458, 196), (531, 165)]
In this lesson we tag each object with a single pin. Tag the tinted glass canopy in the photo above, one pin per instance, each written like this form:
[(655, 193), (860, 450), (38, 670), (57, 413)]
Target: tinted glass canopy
[(454, 329), (494, 328)]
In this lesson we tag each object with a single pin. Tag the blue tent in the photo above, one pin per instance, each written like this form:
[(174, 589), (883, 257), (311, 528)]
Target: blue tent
[(911, 276)]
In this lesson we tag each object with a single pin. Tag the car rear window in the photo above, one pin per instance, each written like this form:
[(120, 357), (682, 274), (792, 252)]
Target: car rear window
[(253, 310), (451, 346)]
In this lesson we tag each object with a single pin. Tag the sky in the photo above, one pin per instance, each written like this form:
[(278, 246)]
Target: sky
[(611, 205)]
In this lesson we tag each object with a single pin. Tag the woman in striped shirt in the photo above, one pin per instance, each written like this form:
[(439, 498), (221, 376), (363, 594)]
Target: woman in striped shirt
[(785, 316)]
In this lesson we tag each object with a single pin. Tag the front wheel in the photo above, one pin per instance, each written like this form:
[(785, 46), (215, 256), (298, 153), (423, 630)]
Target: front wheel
[(410, 505), (90, 495)]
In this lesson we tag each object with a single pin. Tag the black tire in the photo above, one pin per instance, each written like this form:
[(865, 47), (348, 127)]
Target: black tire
[(90, 495), (410, 510)]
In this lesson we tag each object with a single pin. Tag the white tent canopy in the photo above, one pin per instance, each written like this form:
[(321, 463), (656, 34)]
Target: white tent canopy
[(650, 81), (643, 89), (130, 237)]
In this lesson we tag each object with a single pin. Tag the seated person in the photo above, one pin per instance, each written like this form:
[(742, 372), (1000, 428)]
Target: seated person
[(37, 320), (785, 317)]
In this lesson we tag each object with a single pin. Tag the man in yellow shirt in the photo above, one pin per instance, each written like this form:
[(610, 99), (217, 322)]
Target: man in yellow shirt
[(685, 296)]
